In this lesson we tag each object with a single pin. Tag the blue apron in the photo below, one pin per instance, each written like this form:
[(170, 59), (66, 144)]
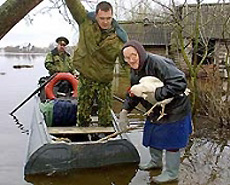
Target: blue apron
[(173, 135)]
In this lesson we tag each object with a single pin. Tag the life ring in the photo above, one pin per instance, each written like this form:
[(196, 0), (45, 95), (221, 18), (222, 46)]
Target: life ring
[(61, 76)]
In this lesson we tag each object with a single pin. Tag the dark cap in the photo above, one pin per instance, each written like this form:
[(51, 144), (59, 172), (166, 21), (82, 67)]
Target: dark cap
[(62, 39)]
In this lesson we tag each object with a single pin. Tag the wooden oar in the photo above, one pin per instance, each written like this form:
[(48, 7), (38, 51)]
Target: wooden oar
[(122, 101), (32, 94), (118, 133)]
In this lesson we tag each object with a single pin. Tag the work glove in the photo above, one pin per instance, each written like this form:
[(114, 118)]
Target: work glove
[(123, 121), (76, 73)]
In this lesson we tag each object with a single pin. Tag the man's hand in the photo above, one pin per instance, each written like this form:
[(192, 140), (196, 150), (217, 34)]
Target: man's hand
[(76, 73), (123, 121)]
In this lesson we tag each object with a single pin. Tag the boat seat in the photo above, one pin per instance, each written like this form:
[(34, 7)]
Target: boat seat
[(80, 130)]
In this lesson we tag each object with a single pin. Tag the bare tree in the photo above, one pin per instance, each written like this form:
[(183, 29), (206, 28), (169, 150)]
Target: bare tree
[(217, 94), (192, 30)]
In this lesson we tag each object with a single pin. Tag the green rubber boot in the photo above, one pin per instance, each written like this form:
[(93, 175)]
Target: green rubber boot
[(155, 162), (172, 168)]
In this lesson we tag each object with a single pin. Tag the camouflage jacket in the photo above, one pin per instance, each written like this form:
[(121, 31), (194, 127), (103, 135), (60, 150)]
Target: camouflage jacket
[(96, 53), (58, 62)]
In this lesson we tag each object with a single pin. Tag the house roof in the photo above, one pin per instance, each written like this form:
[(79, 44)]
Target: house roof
[(213, 19), (147, 33)]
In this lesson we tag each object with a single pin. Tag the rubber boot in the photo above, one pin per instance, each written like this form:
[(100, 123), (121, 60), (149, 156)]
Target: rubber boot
[(155, 162), (171, 170)]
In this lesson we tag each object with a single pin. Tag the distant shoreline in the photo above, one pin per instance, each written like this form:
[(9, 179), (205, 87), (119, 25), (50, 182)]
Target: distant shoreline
[(20, 53)]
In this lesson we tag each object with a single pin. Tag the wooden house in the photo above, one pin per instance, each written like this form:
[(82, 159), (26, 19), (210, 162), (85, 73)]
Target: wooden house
[(156, 37), (214, 29)]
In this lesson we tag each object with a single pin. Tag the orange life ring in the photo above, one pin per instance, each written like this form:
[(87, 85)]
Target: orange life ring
[(61, 76)]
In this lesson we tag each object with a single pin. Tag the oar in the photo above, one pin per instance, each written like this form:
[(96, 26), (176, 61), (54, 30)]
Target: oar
[(32, 94), (118, 133), (122, 101)]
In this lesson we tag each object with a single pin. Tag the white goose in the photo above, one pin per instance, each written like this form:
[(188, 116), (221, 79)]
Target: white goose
[(146, 89)]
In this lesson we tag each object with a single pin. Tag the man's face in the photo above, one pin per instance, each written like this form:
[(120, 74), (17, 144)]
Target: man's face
[(61, 46), (104, 19), (131, 57)]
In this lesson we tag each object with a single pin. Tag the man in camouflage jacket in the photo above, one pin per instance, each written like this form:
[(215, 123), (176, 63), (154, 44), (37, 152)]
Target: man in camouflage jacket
[(100, 42), (58, 60)]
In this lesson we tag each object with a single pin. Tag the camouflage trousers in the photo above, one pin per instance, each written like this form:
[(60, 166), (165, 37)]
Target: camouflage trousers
[(88, 90)]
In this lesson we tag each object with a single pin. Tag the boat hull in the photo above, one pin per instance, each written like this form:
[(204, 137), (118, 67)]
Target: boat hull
[(58, 157)]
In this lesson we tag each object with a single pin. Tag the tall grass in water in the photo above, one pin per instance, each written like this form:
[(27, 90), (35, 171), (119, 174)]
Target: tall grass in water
[(214, 100)]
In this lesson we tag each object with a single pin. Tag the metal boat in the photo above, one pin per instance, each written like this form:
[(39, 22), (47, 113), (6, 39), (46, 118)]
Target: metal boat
[(55, 149)]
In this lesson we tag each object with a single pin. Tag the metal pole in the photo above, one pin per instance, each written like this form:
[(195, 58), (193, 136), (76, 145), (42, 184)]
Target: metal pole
[(32, 94)]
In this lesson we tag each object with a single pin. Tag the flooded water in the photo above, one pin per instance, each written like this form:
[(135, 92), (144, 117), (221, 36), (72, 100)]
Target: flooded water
[(205, 161), (15, 86)]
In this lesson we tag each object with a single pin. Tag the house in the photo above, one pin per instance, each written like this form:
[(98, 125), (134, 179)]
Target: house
[(155, 37), (215, 26), (214, 31)]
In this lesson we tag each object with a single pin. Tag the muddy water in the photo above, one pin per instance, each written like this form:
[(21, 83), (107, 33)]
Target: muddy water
[(206, 160)]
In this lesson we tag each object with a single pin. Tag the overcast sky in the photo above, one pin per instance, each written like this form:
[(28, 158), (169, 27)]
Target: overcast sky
[(46, 27)]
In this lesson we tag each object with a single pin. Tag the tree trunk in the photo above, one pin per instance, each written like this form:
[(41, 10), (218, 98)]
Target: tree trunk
[(12, 11)]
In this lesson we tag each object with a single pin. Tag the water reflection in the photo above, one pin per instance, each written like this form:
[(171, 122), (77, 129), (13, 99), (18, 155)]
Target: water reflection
[(206, 162), (20, 125), (119, 175), (22, 56)]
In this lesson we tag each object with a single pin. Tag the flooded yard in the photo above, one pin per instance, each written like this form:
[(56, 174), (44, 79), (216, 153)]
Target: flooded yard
[(205, 161)]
